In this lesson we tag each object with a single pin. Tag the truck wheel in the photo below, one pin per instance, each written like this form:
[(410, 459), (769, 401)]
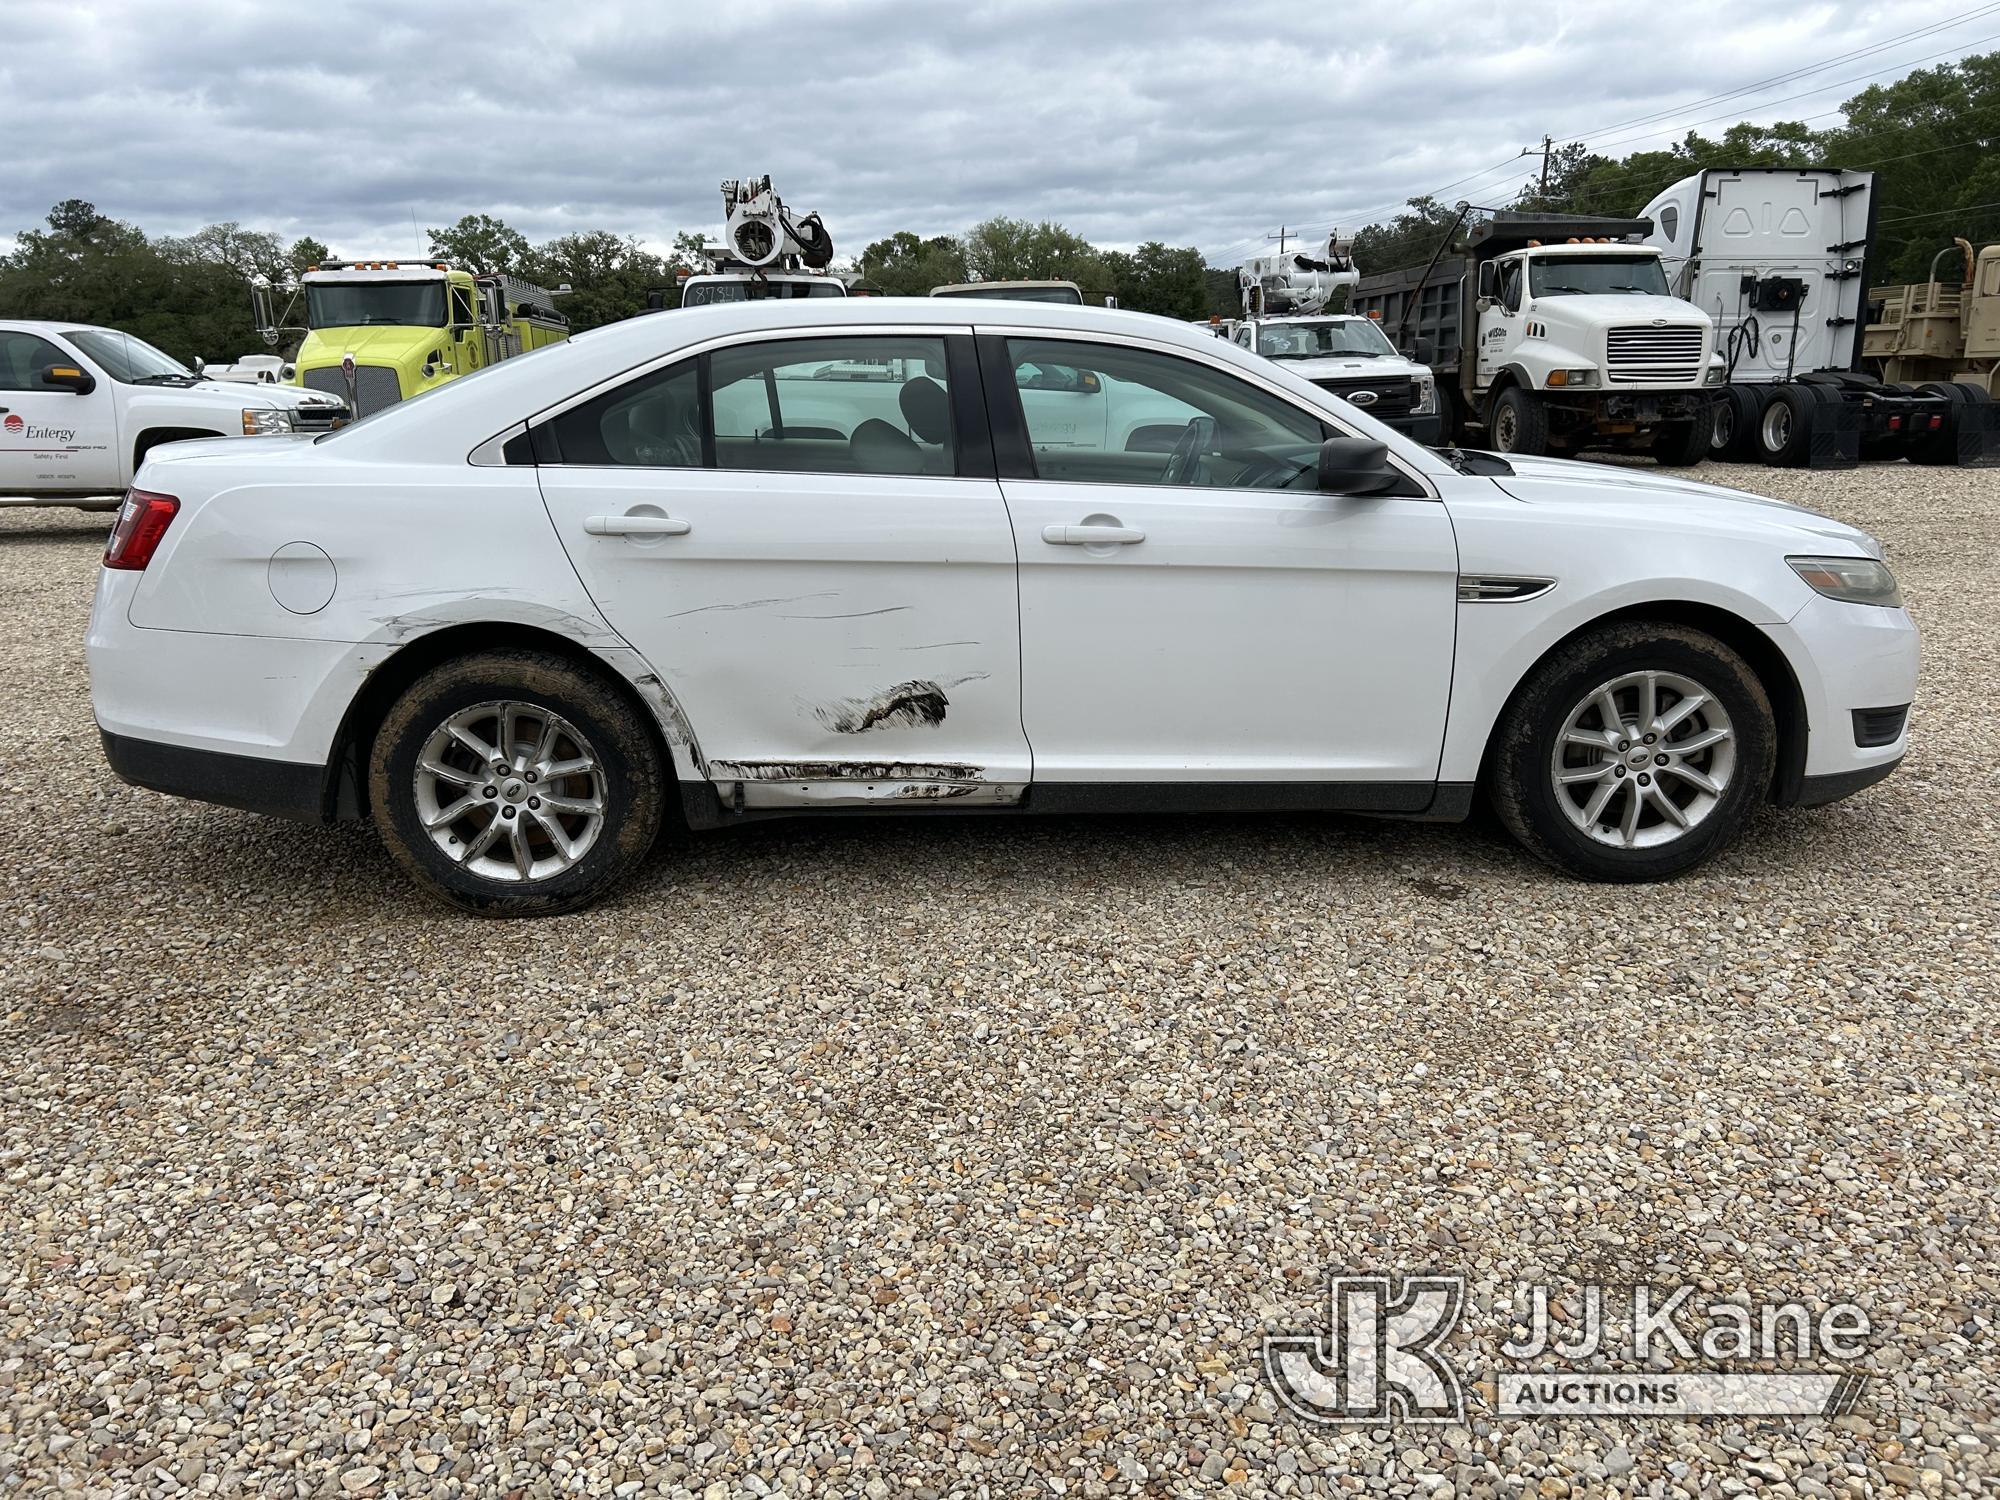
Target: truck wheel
[(1734, 438), (1940, 448), (513, 784), (1520, 423), (1784, 431), (1678, 445), (1633, 752)]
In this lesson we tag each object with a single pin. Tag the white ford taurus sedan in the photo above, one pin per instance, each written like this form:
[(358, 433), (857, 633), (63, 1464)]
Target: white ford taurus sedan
[(848, 557)]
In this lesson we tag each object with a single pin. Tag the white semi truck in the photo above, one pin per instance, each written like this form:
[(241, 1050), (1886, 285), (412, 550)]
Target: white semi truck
[(1778, 256), (1556, 333)]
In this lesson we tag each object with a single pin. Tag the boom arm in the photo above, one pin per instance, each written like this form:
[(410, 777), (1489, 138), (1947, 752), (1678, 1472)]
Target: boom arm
[(1297, 283)]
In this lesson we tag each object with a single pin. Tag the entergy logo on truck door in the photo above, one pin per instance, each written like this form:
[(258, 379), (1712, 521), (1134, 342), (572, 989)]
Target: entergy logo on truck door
[(16, 428)]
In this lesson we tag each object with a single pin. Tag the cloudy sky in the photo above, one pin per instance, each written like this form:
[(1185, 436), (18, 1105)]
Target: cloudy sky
[(1127, 120)]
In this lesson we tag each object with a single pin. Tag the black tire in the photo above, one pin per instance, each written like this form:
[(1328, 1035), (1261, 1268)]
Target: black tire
[(1733, 438), (1521, 764), (1940, 449), (632, 790), (1681, 445), (1784, 428), (1519, 424)]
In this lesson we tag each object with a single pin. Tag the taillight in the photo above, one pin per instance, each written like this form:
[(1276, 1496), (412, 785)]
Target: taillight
[(142, 521)]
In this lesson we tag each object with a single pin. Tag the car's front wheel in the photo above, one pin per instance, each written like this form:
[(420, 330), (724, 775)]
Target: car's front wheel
[(1633, 752), (513, 783)]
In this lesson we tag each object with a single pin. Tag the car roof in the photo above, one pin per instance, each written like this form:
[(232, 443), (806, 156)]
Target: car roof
[(45, 325)]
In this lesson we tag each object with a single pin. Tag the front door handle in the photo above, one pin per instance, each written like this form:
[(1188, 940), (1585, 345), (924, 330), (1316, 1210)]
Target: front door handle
[(1092, 536), (636, 526)]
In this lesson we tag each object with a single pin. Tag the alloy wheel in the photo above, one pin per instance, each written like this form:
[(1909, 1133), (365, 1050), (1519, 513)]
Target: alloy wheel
[(510, 791), (1643, 759)]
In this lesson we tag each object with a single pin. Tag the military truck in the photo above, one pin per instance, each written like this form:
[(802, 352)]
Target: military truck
[(1944, 331)]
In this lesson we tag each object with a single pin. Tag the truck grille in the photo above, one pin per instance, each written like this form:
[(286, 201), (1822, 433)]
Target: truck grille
[(375, 386), (318, 418), (1393, 398), (1653, 356)]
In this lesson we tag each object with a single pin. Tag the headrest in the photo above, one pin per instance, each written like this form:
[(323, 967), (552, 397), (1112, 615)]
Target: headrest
[(927, 409)]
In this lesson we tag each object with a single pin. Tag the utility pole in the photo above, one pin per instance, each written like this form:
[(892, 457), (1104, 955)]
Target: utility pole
[(1547, 153), (1279, 237)]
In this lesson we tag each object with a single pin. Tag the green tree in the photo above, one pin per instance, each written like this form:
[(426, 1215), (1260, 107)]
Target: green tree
[(1170, 280), (305, 251), (1004, 249), (905, 265), (1409, 239), (480, 242), (608, 275)]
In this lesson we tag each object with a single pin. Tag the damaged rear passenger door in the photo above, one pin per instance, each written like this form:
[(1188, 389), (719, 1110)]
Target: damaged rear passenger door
[(804, 538)]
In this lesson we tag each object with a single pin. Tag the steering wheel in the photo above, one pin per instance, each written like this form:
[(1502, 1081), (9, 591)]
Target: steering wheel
[(1183, 465)]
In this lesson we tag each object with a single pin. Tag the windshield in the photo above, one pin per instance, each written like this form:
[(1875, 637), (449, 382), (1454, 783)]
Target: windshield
[(705, 293), (1323, 339), (1573, 275), (127, 360), (358, 304), (1068, 295)]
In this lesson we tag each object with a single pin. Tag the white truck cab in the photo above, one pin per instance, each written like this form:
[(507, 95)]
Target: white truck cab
[(1351, 357), (1558, 333), (80, 407)]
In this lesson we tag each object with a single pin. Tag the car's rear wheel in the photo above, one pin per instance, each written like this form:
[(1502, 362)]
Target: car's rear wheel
[(513, 783), (1633, 753)]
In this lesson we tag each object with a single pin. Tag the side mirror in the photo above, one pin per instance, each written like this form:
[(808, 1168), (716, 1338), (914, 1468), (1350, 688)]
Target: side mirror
[(1488, 275), (1354, 466), (200, 365), (1424, 351), (69, 378)]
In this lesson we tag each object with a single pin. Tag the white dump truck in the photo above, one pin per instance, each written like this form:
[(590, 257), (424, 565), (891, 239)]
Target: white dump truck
[(1556, 333)]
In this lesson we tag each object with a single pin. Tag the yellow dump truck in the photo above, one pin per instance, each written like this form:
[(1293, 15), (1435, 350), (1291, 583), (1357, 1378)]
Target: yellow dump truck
[(382, 331)]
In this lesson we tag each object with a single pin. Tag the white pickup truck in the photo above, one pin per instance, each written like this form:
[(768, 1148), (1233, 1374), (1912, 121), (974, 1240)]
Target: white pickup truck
[(1352, 358), (80, 407)]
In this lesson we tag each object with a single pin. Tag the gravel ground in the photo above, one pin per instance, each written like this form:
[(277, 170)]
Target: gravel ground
[(973, 1157)]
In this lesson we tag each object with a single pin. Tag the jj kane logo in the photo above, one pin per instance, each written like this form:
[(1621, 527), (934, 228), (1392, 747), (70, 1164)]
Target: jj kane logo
[(1381, 1356)]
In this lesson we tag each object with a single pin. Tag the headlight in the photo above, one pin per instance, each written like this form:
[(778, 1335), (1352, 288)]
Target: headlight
[(1427, 396), (1572, 378), (1852, 580), (262, 419), (1715, 374)]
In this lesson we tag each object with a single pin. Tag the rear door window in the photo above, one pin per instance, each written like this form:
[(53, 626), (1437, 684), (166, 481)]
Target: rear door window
[(836, 405)]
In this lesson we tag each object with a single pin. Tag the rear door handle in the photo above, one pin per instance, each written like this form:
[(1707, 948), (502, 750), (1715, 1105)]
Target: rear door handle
[(636, 526), (1092, 536)]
